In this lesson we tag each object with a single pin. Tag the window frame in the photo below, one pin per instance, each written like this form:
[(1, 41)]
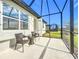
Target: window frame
[(22, 21), (10, 11), (10, 18), (17, 19)]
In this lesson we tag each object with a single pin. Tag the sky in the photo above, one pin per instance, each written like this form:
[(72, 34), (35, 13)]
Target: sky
[(55, 19)]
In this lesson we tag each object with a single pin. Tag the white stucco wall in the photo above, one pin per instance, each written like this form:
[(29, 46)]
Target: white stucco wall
[(44, 28), (41, 28), (3, 46), (34, 24), (7, 34), (10, 34)]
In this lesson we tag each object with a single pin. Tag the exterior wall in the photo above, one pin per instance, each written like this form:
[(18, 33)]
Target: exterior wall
[(5, 35), (39, 30), (41, 27), (31, 24), (3, 45), (44, 28), (0, 12), (36, 25)]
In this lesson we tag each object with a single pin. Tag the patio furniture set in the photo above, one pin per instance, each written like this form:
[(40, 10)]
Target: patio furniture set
[(20, 39)]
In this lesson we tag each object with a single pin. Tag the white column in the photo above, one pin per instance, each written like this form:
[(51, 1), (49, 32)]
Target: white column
[(40, 27), (30, 24), (19, 21), (36, 25)]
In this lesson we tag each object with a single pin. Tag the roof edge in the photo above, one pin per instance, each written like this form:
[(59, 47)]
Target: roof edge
[(26, 7), (44, 21)]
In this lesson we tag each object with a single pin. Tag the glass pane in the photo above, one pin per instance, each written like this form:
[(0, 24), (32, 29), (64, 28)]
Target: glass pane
[(10, 24), (5, 23), (21, 24), (10, 11), (14, 13), (13, 24), (24, 21), (6, 9), (24, 25), (23, 17)]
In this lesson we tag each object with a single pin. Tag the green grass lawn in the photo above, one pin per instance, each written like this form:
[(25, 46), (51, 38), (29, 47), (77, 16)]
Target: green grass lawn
[(76, 40), (53, 34), (57, 34), (67, 37)]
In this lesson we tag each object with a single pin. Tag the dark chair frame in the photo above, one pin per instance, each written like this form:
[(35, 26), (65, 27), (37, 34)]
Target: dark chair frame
[(35, 34), (19, 40)]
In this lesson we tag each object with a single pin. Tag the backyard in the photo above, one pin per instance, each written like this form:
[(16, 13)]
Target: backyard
[(57, 34)]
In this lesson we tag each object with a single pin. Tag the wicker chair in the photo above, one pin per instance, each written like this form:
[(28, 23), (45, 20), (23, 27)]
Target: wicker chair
[(19, 40), (35, 34)]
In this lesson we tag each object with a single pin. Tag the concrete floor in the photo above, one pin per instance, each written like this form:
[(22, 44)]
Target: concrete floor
[(44, 48)]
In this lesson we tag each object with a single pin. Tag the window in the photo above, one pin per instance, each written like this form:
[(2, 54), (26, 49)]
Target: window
[(14, 13), (24, 17), (10, 23), (10, 17), (6, 9), (25, 25), (24, 21), (10, 11), (5, 23)]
